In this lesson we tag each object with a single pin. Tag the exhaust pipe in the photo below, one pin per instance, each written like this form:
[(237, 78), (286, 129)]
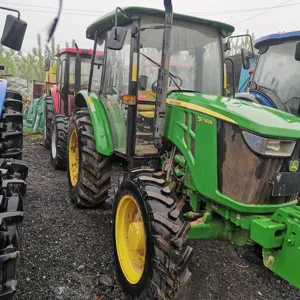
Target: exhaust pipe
[(77, 70), (163, 77)]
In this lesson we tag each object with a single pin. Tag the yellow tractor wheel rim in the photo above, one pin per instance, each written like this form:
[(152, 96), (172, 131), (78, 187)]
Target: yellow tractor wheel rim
[(73, 158), (130, 239)]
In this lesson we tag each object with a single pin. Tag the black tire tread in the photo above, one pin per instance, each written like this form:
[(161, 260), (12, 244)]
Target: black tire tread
[(11, 126), (171, 259), (48, 118), (13, 174), (62, 125), (95, 169)]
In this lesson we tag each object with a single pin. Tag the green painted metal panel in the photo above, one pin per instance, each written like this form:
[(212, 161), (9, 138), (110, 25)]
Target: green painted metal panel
[(280, 237), (102, 131), (254, 117), (200, 150), (117, 122)]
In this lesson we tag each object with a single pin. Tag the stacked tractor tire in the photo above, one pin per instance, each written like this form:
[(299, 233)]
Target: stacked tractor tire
[(13, 175)]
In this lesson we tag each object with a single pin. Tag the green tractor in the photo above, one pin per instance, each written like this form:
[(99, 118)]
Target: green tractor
[(233, 163)]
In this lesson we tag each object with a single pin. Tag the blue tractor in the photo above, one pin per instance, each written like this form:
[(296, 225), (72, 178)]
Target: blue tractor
[(13, 172), (275, 81)]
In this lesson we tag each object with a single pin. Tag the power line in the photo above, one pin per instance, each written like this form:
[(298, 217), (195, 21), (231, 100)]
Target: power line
[(95, 12), (65, 13), (56, 8), (246, 10), (280, 5)]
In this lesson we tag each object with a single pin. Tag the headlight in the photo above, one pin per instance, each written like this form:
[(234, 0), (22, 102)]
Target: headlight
[(269, 147)]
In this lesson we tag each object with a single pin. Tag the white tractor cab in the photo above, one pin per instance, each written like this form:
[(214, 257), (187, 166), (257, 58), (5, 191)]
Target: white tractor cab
[(275, 81)]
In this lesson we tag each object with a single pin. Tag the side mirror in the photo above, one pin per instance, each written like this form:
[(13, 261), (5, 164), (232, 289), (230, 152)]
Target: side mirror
[(246, 55), (47, 64), (13, 33), (297, 52), (117, 38)]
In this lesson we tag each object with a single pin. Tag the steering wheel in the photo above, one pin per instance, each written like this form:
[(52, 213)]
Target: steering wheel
[(154, 84)]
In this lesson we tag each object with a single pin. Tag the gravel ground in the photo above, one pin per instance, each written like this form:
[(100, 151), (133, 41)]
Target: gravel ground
[(67, 253)]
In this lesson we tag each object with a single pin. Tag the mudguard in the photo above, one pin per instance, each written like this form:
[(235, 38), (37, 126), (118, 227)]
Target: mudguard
[(102, 130), (3, 89)]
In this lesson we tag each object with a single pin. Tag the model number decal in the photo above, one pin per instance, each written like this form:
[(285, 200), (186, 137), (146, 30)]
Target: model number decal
[(204, 120)]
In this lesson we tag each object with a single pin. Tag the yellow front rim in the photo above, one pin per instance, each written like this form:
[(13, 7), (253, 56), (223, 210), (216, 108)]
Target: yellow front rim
[(130, 239), (73, 158)]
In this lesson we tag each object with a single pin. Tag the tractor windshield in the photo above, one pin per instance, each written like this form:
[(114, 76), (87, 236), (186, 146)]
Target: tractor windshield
[(85, 73), (195, 62), (279, 73)]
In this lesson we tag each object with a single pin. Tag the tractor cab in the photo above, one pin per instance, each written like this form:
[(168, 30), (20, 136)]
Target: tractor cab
[(67, 67), (276, 80), (131, 71)]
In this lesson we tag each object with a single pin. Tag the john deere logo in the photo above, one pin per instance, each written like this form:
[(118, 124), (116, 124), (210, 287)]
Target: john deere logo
[(294, 166)]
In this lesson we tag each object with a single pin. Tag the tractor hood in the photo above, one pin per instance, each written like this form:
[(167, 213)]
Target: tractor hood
[(254, 117)]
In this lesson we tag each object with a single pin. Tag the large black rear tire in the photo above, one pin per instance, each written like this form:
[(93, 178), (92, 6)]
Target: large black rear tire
[(90, 185), (48, 118), (11, 126), (167, 254), (12, 191), (59, 141)]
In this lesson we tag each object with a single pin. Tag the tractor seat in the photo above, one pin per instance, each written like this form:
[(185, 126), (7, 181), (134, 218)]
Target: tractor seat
[(147, 110)]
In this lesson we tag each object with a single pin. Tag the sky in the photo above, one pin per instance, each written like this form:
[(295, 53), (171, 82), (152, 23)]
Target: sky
[(261, 17)]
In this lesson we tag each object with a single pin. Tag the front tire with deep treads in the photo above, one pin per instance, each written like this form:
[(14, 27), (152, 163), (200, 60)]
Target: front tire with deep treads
[(166, 257), (48, 118), (59, 141), (89, 172), (11, 126)]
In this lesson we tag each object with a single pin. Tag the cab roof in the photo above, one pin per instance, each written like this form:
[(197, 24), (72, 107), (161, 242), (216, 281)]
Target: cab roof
[(81, 51), (277, 38), (106, 22)]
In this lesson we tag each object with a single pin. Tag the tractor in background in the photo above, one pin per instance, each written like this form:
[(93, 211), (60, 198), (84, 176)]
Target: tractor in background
[(13, 171), (73, 69), (191, 160), (275, 80)]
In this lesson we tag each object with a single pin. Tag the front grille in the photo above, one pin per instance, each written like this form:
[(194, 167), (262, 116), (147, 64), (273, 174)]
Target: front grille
[(243, 175)]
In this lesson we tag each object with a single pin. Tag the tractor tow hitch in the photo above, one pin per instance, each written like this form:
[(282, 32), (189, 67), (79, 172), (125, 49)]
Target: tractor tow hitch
[(280, 238)]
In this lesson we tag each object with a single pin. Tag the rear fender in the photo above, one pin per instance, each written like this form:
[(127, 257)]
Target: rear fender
[(3, 88), (55, 99), (102, 130)]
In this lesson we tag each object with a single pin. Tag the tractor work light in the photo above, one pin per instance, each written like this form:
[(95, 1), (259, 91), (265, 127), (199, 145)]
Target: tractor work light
[(129, 99), (269, 147)]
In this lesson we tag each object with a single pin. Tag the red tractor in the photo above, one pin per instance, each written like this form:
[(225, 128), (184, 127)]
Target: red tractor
[(73, 72)]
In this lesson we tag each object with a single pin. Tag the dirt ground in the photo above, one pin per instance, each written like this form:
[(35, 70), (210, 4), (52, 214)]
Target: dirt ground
[(68, 254)]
